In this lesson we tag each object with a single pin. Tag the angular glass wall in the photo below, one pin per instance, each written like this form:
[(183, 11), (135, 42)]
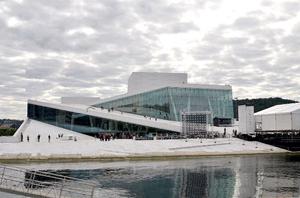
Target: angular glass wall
[(168, 103), (84, 123)]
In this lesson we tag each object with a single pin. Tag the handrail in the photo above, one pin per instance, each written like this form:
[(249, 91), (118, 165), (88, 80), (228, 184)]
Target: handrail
[(54, 176), (21, 180), (42, 183), (47, 184)]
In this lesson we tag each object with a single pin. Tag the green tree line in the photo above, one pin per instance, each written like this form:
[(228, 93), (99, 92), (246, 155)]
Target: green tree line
[(259, 103), (7, 131)]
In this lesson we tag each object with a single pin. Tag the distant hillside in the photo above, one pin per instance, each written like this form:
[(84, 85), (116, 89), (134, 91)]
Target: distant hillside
[(8, 127), (9, 123), (260, 103)]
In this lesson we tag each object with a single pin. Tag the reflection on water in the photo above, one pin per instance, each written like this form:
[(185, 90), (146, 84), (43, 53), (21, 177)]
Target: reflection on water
[(250, 176)]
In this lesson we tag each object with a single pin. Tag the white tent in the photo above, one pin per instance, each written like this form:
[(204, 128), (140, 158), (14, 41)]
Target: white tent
[(279, 117)]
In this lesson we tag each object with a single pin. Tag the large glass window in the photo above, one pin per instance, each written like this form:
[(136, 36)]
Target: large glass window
[(169, 103), (84, 123)]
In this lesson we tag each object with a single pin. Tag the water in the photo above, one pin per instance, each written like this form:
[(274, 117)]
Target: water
[(247, 176)]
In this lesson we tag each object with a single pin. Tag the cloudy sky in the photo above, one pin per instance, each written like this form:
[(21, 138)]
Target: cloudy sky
[(54, 48)]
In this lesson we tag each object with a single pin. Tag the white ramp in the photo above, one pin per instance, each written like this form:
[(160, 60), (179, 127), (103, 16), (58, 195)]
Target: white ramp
[(32, 128)]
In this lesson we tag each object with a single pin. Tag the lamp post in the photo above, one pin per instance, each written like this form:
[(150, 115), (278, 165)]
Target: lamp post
[(237, 106), (90, 107)]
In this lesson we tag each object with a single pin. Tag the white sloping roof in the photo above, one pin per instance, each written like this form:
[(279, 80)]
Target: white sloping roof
[(32, 128), (114, 115), (280, 109)]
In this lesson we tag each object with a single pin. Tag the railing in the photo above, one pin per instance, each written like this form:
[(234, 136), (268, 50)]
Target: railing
[(43, 184)]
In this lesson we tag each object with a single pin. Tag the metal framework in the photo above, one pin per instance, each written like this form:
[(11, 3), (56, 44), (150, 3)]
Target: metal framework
[(40, 184), (195, 123)]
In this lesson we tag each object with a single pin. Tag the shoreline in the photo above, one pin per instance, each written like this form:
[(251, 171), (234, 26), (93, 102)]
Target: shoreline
[(125, 149), (63, 158)]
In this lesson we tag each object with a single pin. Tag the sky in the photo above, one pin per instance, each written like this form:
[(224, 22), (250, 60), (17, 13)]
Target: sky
[(50, 49)]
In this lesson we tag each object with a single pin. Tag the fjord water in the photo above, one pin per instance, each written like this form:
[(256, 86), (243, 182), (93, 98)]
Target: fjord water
[(239, 176)]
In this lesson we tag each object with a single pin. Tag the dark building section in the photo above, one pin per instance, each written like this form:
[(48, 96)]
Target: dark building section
[(222, 122)]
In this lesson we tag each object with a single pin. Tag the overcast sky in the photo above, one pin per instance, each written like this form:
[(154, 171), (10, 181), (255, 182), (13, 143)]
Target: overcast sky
[(54, 48)]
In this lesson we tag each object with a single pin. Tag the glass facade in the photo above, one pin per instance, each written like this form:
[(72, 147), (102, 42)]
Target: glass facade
[(169, 102), (83, 123)]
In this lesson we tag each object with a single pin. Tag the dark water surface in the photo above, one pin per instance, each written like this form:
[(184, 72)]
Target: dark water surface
[(246, 176)]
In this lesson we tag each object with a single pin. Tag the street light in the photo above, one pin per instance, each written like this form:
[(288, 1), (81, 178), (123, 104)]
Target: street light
[(90, 107)]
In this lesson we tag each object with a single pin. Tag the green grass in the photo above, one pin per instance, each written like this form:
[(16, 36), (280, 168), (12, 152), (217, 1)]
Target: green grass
[(7, 131)]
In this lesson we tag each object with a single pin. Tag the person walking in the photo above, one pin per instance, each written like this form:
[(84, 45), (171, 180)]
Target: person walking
[(27, 138), (49, 137), (38, 137)]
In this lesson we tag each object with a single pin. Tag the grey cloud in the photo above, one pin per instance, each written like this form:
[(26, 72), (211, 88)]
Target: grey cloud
[(178, 27), (79, 76), (71, 91), (165, 57), (77, 83), (291, 7), (50, 33), (42, 59), (81, 71), (267, 3), (207, 51), (36, 89), (178, 53), (158, 11), (260, 57), (110, 14), (217, 37), (279, 84), (131, 57), (13, 110), (250, 52), (43, 68), (246, 23), (214, 44), (291, 43), (289, 61)]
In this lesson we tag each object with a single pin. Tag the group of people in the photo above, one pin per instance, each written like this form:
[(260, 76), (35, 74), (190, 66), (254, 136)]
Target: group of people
[(38, 138), (112, 136), (150, 117), (22, 137), (234, 132), (105, 137)]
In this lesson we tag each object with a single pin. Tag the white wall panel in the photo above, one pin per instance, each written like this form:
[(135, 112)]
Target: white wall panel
[(268, 122), (284, 121), (246, 119), (250, 119), (258, 118), (242, 118), (258, 122), (143, 81), (296, 121)]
